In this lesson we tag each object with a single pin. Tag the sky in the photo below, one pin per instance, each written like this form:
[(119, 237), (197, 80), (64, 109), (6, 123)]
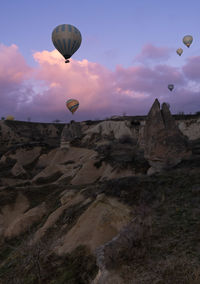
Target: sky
[(126, 59)]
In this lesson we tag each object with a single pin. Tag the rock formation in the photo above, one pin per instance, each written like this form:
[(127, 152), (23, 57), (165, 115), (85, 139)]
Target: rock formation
[(20, 133), (123, 245), (70, 132), (100, 222), (107, 130), (97, 195), (164, 144)]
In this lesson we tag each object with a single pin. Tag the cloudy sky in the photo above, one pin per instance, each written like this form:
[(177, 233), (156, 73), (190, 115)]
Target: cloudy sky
[(127, 58)]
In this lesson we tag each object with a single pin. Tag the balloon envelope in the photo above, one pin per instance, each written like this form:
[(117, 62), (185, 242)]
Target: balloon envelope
[(72, 105), (66, 39), (187, 40), (179, 51), (10, 117), (170, 87)]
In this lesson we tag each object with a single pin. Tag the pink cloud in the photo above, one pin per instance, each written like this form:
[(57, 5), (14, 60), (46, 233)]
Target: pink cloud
[(83, 80), (192, 68), (13, 67), (151, 52), (41, 92), (145, 79), (13, 73)]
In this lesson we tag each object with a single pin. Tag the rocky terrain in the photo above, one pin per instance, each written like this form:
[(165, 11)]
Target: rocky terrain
[(112, 201)]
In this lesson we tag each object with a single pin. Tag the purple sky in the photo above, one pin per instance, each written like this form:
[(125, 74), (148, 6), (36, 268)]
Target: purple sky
[(126, 59)]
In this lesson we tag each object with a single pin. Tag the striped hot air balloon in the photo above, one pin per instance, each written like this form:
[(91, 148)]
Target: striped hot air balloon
[(72, 105), (67, 40), (179, 51), (187, 40)]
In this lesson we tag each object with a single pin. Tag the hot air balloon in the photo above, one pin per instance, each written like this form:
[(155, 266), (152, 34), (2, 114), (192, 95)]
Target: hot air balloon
[(170, 87), (187, 40), (179, 51), (67, 40), (10, 117), (72, 105)]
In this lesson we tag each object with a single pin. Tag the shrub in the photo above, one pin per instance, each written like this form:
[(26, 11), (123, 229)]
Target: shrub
[(126, 139)]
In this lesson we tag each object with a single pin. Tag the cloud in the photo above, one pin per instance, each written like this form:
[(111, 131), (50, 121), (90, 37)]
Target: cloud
[(13, 72), (83, 80), (41, 92), (153, 80), (192, 68), (13, 68), (153, 53)]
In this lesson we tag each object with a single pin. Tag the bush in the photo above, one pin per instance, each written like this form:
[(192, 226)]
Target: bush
[(135, 123), (126, 139)]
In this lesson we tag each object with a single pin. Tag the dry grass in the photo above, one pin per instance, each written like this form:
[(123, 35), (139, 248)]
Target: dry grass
[(172, 269), (37, 265)]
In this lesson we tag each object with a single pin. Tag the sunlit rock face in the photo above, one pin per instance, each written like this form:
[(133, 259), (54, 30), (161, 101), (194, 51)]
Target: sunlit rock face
[(102, 220), (165, 145), (190, 127)]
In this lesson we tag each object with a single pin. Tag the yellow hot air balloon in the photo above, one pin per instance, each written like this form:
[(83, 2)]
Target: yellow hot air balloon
[(67, 40), (187, 40), (10, 117), (179, 51), (72, 105)]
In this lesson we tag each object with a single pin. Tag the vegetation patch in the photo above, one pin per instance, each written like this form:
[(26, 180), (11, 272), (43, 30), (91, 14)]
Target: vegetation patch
[(174, 199), (123, 155), (36, 264), (8, 196)]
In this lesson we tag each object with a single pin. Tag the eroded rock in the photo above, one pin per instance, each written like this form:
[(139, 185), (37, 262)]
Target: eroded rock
[(165, 145), (23, 222), (10, 212), (99, 223), (19, 171)]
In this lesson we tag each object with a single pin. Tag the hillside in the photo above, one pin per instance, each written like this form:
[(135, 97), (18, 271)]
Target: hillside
[(113, 201)]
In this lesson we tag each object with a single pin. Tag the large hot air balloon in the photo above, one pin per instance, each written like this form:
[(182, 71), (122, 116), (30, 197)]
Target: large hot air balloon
[(170, 87), (67, 40), (187, 40), (179, 51), (72, 105)]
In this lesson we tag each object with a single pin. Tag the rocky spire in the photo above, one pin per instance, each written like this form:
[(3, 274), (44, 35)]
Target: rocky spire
[(165, 145)]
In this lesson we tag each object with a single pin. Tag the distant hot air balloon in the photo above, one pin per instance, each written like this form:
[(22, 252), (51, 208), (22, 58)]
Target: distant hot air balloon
[(67, 40), (170, 87), (187, 40), (72, 105), (179, 51), (10, 117)]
